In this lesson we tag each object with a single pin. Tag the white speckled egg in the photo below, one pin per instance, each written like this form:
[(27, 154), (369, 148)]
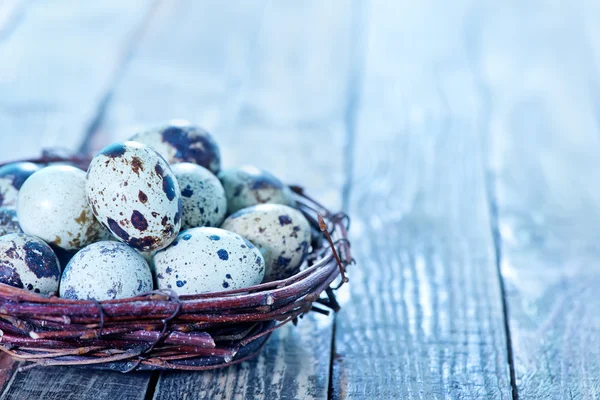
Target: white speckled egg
[(12, 177), (204, 201), (9, 223), (208, 260), (133, 192), (27, 262), (104, 271), (248, 186), (53, 206), (280, 232), (179, 141)]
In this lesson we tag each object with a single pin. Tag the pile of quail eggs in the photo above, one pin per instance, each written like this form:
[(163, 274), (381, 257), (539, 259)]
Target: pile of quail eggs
[(154, 212)]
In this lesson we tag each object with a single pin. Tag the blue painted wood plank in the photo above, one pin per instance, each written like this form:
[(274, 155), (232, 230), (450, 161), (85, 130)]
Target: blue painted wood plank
[(423, 318), (541, 76), (57, 66)]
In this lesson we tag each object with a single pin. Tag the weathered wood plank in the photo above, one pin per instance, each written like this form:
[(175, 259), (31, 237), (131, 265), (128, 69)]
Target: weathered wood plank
[(543, 120), (273, 93), (11, 12), (57, 65), (293, 365), (424, 316), (60, 383)]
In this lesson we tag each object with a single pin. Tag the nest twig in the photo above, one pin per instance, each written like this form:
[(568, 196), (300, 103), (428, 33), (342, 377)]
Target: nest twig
[(161, 331)]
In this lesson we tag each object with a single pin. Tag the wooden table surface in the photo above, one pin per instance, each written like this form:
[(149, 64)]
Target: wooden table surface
[(461, 136)]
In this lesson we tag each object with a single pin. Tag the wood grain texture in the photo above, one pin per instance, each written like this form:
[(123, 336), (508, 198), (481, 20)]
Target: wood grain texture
[(61, 383), (424, 315), (544, 157), (294, 364), (11, 13), (58, 62), (273, 94), (58, 65)]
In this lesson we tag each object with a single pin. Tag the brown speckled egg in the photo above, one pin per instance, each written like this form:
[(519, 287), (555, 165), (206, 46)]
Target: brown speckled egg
[(208, 260), (133, 192), (9, 223), (248, 186), (104, 271), (27, 262), (204, 201), (53, 206), (12, 177), (179, 141), (280, 232)]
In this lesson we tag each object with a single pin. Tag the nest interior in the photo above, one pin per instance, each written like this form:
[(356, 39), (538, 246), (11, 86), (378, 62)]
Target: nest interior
[(160, 330)]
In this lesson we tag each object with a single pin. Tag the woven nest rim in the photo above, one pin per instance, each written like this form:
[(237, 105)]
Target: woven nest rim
[(162, 331)]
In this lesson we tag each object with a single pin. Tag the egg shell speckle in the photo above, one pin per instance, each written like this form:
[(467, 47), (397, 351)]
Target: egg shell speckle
[(9, 223), (106, 270), (204, 201), (12, 177), (280, 232), (27, 262), (53, 206), (248, 186), (134, 193), (179, 141), (208, 260)]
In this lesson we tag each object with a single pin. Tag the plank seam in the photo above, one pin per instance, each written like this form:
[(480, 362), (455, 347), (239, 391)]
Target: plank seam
[(15, 370), (355, 80), (127, 54), (152, 383), (13, 20), (497, 239)]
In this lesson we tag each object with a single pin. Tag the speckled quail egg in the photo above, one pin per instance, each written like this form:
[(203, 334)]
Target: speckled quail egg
[(104, 271), (53, 206), (179, 141), (12, 177), (9, 223), (248, 186), (208, 260), (280, 232), (204, 201), (27, 262), (133, 192)]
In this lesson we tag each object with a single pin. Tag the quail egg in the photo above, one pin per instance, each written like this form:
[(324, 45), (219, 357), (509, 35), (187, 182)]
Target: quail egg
[(27, 262), (280, 232), (180, 141), (248, 186), (204, 201), (53, 206), (133, 192), (208, 260), (9, 223), (12, 177), (104, 271)]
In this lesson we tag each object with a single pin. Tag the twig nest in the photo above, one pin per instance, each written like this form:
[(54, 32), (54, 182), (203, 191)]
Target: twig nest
[(28, 263), (134, 193), (106, 270), (9, 223), (208, 260), (248, 186), (280, 232), (52, 205), (204, 201), (12, 177), (179, 141)]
